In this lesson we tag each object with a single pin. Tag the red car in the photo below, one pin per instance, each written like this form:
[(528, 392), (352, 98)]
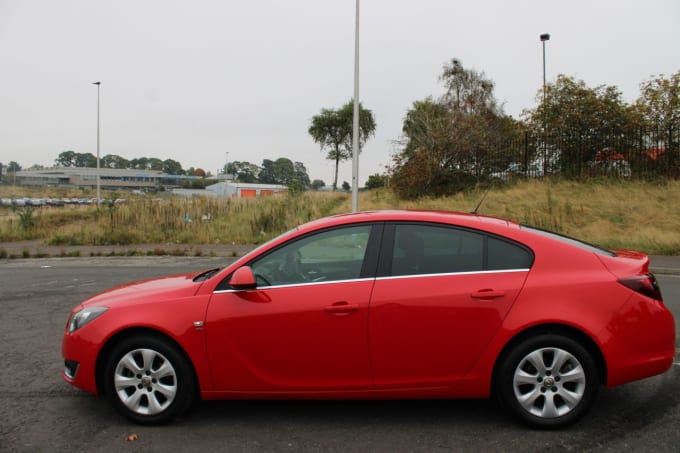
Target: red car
[(393, 304)]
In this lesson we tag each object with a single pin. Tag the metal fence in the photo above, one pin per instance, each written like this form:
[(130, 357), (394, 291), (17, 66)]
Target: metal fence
[(641, 154)]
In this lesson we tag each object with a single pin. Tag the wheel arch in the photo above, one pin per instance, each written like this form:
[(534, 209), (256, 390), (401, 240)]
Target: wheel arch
[(555, 329), (112, 342)]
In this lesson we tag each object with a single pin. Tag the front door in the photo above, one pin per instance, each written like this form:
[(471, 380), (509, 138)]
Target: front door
[(305, 325)]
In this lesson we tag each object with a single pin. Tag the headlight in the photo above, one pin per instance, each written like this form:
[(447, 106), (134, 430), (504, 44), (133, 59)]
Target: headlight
[(84, 316)]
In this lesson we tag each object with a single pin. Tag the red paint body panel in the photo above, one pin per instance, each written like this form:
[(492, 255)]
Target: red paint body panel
[(166, 305), (417, 321), (386, 337), (284, 338)]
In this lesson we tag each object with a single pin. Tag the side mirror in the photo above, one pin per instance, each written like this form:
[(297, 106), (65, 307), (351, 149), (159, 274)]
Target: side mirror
[(243, 278)]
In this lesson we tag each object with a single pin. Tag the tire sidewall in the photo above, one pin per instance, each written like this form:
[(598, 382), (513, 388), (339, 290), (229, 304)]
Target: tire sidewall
[(185, 381), (505, 377)]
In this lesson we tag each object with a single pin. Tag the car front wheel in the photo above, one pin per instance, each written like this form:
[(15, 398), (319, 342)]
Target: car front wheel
[(148, 380), (549, 381)]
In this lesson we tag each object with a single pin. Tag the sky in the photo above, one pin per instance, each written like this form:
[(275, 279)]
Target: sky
[(203, 81)]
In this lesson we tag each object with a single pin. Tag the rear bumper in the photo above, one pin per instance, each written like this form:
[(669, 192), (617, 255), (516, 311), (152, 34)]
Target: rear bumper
[(640, 341)]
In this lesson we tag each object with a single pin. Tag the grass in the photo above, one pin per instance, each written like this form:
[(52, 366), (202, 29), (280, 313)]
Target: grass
[(615, 214)]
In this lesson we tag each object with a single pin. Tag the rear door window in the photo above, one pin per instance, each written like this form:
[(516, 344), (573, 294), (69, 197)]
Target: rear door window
[(439, 249)]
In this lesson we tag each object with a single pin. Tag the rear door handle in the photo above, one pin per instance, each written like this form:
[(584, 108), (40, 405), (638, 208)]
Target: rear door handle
[(487, 294), (342, 308)]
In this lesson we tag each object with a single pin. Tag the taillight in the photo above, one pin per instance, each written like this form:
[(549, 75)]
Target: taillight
[(644, 284)]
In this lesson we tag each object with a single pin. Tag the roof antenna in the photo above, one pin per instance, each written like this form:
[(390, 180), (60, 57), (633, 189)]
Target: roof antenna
[(474, 211)]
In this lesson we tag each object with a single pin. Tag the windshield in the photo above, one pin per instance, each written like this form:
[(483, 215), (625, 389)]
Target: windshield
[(261, 246)]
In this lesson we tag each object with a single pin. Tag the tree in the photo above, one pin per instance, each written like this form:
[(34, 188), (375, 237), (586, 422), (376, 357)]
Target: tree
[(467, 91), (659, 107), (346, 187), (280, 171), (172, 167), (376, 181), (301, 175), (449, 143), (114, 161), (155, 164), (575, 122), (141, 163), (13, 167), (318, 184), (66, 159), (85, 160), (329, 130), (332, 130), (573, 109), (243, 171), (659, 102)]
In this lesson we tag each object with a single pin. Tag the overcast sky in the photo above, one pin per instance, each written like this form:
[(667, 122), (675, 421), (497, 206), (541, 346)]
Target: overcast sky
[(193, 80)]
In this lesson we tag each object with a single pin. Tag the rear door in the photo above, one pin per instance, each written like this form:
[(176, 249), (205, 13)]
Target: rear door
[(440, 296)]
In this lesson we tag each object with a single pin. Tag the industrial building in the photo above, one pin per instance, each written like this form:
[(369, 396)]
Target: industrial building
[(110, 178)]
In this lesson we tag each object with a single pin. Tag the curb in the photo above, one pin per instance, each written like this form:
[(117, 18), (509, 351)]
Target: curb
[(664, 271)]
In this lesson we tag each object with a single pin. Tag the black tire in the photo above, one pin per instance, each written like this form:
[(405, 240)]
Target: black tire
[(548, 381), (149, 380)]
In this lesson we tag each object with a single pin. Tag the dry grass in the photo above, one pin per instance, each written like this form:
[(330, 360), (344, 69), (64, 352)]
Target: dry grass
[(614, 214)]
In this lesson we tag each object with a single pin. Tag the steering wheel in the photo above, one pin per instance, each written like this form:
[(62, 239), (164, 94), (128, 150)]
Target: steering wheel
[(290, 269), (261, 277)]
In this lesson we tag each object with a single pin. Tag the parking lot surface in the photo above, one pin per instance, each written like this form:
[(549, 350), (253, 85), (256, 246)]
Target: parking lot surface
[(40, 412)]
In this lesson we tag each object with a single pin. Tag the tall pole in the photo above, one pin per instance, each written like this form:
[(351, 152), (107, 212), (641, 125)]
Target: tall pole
[(545, 37), (355, 125), (98, 135)]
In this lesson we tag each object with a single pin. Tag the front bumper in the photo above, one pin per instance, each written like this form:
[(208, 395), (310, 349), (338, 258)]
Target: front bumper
[(80, 357)]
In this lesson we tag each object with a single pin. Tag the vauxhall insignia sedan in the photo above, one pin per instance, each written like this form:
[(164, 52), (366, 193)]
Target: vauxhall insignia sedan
[(381, 305)]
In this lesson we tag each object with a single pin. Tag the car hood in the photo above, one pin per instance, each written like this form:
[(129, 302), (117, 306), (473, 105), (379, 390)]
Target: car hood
[(150, 290)]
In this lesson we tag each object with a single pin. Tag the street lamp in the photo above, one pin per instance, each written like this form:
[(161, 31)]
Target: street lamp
[(355, 119), (99, 84), (544, 37)]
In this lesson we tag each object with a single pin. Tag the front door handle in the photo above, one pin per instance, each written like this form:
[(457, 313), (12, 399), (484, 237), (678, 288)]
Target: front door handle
[(341, 308), (487, 294)]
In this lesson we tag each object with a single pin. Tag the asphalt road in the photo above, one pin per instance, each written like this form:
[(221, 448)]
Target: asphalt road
[(39, 412)]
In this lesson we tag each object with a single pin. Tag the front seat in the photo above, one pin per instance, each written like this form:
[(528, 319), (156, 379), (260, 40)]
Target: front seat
[(409, 254)]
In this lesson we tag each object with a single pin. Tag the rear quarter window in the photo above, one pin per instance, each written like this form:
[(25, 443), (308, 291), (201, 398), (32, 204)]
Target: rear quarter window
[(569, 240), (506, 255)]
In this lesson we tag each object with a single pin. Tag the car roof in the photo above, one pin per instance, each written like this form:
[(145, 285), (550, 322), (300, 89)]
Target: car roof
[(446, 217)]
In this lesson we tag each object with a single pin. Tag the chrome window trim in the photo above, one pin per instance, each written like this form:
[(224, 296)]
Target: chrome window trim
[(293, 285), (391, 277), (452, 274)]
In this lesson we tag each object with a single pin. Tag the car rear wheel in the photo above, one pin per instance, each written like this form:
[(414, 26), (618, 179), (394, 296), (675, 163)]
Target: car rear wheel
[(548, 381), (149, 380)]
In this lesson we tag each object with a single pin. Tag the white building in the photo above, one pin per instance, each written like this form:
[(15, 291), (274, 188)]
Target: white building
[(110, 178), (245, 190)]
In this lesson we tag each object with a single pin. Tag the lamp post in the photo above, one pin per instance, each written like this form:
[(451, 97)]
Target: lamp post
[(98, 116), (544, 37), (355, 120)]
